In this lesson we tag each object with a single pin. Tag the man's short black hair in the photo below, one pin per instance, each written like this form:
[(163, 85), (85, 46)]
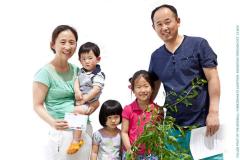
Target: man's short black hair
[(172, 8)]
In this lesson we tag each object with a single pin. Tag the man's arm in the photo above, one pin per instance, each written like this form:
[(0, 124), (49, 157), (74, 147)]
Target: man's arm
[(156, 89), (212, 120)]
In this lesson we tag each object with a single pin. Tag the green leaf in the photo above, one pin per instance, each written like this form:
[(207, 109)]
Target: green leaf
[(157, 134)]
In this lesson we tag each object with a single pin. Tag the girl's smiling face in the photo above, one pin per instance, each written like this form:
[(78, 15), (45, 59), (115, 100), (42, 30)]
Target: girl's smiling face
[(142, 90)]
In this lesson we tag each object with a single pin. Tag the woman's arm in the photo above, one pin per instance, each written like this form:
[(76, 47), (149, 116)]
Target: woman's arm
[(39, 94), (157, 85), (94, 152)]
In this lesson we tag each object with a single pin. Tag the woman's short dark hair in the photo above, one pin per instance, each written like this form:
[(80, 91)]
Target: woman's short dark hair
[(109, 108), (60, 29), (87, 47)]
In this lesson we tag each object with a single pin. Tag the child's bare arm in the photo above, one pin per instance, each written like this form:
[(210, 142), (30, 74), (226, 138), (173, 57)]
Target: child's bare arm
[(94, 152), (92, 93), (124, 134)]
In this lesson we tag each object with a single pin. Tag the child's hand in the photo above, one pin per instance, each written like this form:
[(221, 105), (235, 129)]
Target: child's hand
[(79, 103), (78, 96), (84, 98), (130, 155)]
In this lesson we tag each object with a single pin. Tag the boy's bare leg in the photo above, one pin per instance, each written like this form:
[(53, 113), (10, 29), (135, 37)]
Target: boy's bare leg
[(76, 136), (77, 142), (80, 109)]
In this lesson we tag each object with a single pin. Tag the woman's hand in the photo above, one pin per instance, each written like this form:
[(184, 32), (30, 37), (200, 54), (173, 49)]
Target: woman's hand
[(60, 124)]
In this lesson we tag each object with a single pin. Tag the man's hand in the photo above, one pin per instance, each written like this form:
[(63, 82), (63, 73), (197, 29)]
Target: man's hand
[(212, 123)]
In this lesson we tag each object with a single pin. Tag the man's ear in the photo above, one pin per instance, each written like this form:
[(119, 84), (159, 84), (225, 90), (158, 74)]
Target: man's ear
[(153, 26), (178, 20)]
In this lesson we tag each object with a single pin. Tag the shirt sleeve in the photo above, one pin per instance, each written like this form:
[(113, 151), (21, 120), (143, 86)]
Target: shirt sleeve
[(126, 112), (98, 80), (150, 69), (75, 69), (42, 76), (96, 138), (207, 56)]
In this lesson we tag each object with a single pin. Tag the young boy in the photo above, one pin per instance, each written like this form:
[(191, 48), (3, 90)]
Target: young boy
[(87, 87)]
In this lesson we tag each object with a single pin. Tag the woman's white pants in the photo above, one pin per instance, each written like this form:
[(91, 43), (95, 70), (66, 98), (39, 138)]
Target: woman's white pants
[(59, 142)]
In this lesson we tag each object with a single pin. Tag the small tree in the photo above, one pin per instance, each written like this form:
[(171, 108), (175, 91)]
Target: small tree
[(157, 133)]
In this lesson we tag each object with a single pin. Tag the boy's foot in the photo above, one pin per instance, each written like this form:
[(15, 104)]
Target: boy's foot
[(74, 147)]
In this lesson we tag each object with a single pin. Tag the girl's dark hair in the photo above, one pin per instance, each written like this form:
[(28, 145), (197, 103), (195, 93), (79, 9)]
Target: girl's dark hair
[(87, 47), (109, 108), (172, 8), (141, 73), (60, 29)]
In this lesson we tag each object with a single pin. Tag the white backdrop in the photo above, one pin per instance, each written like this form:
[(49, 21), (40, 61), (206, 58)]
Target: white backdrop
[(122, 29)]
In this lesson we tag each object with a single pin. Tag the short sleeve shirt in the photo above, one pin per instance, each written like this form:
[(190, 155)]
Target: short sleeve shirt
[(89, 79), (60, 96), (109, 147), (177, 70), (137, 119)]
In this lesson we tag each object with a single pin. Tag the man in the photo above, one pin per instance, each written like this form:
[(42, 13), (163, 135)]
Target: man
[(180, 60)]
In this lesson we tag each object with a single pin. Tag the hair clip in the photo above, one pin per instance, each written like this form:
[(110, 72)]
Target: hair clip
[(130, 80)]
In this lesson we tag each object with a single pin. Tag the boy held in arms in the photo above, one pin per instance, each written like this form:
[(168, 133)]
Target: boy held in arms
[(87, 87)]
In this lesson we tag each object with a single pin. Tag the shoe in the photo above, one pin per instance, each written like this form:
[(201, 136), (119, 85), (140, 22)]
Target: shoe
[(74, 147), (81, 142)]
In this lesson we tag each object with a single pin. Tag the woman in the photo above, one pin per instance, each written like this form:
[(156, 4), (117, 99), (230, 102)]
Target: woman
[(53, 96)]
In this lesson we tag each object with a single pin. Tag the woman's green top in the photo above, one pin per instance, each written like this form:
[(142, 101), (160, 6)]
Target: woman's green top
[(60, 96)]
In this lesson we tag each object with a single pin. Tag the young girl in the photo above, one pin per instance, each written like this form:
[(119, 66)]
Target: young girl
[(137, 114), (107, 141)]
